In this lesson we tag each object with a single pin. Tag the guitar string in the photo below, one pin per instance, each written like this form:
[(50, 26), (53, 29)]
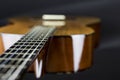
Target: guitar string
[(24, 63), (33, 44), (6, 64), (24, 43), (10, 71), (18, 49), (6, 54)]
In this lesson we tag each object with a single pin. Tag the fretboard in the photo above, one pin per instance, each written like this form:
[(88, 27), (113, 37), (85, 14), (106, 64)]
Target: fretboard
[(15, 60)]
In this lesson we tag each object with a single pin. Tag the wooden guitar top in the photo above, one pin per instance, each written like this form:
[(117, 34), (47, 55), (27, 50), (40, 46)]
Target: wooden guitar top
[(21, 25)]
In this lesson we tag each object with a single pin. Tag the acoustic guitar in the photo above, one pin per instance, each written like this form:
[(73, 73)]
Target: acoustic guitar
[(58, 56)]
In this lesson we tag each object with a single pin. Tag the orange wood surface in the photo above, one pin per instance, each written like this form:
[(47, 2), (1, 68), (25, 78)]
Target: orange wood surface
[(21, 25)]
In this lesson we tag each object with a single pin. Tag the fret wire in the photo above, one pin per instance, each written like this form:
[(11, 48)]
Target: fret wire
[(28, 57), (36, 31), (11, 70), (32, 45), (17, 72), (31, 33), (8, 66), (24, 63), (23, 50), (28, 38), (15, 53), (39, 34), (12, 59), (19, 61), (23, 44), (28, 35)]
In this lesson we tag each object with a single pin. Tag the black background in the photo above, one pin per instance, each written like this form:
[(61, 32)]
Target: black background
[(106, 56)]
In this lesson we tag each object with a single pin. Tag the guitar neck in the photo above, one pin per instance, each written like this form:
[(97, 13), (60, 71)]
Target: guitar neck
[(20, 56)]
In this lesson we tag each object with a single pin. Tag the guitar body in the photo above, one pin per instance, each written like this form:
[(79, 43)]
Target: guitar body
[(60, 51), (95, 24), (59, 57), (60, 54)]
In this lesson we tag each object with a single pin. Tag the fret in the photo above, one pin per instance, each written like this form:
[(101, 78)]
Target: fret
[(8, 59), (17, 46), (2, 61), (13, 59), (39, 40), (14, 53), (10, 56), (9, 72), (22, 47), (21, 51), (7, 51), (9, 66), (32, 56), (2, 55), (38, 35), (20, 55), (4, 70)]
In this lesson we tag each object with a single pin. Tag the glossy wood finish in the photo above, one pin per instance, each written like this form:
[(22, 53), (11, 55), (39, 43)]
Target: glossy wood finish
[(60, 54), (97, 29), (1, 45), (61, 38), (92, 22)]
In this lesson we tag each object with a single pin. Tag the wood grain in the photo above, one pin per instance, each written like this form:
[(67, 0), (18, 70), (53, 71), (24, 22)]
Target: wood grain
[(60, 46)]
